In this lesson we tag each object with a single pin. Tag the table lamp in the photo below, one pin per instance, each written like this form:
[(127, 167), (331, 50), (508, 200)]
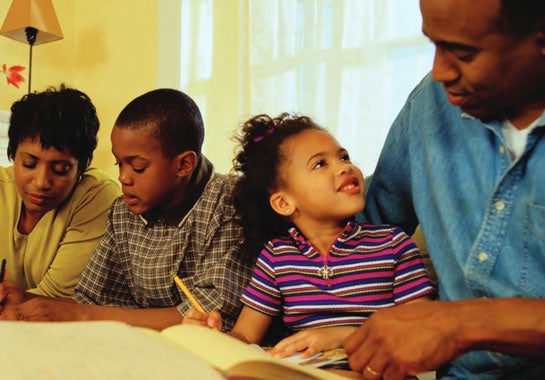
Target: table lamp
[(31, 22)]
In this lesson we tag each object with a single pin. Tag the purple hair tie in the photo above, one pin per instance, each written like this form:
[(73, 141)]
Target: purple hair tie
[(268, 131)]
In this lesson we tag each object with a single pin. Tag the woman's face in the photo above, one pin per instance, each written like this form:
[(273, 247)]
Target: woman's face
[(44, 177)]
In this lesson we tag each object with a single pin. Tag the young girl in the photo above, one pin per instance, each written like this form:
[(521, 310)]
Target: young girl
[(321, 270)]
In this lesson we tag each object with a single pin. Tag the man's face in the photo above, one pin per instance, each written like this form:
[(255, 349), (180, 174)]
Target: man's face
[(485, 71)]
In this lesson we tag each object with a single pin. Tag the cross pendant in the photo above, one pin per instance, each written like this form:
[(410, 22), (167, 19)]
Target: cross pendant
[(325, 272)]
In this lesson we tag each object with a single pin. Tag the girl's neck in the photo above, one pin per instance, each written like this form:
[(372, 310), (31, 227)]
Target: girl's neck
[(321, 235)]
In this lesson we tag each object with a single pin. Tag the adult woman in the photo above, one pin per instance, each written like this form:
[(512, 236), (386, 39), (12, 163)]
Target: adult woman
[(53, 208)]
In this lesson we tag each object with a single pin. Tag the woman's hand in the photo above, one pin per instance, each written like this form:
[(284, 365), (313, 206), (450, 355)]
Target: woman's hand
[(211, 320), (312, 341), (10, 297)]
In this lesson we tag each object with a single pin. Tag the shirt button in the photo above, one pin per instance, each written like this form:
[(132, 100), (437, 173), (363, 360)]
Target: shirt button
[(482, 257), (502, 149), (500, 205)]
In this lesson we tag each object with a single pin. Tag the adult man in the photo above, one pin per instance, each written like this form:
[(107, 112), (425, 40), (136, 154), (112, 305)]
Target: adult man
[(465, 159)]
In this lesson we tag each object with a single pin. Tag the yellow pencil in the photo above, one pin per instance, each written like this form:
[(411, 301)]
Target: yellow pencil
[(187, 292)]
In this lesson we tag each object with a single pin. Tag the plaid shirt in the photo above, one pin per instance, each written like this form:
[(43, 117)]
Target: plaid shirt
[(131, 266)]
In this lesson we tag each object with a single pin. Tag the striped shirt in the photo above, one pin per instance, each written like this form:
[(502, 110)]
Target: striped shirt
[(131, 265), (367, 268)]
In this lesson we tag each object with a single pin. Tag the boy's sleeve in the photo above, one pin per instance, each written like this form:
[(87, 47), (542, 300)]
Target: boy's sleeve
[(221, 274)]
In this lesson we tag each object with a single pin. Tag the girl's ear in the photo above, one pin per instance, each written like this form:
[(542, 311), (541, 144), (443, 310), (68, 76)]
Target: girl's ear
[(282, 204), (186, 161)]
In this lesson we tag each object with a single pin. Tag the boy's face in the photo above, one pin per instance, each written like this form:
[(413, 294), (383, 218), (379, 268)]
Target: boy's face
[(149, 180)]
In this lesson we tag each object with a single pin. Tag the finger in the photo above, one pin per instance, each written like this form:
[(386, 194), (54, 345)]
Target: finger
[(196, 315), (370, 373), (214, 320), (392, 372), (359, 354), (309, 352), (290, 346), (356, 339)]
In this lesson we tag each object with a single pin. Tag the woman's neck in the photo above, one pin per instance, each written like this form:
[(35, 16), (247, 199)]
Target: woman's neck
[(27, 221)]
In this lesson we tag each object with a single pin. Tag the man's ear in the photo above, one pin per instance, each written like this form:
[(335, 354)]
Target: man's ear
[(541, 36), (282, 204), (186, 161)]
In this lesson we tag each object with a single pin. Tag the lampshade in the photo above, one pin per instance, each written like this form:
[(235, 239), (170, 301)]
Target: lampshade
[(38, 14)]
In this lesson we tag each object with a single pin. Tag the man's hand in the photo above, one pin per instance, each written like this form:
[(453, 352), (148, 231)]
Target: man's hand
[(405, 340)]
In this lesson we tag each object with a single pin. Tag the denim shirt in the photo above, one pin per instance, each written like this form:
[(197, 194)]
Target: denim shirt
[(482, 215)]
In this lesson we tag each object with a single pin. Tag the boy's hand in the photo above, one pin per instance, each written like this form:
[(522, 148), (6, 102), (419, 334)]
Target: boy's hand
[(211, 320), (312, 341)]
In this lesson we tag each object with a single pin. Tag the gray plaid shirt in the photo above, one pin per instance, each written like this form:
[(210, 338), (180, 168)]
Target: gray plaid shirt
[(131, 265)]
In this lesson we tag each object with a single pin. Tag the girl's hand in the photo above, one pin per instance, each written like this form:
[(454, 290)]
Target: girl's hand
[(312, 341), (211, 320)]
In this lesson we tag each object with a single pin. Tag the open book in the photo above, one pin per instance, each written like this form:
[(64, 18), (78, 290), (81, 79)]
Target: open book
[(114, 350), (235, 359)]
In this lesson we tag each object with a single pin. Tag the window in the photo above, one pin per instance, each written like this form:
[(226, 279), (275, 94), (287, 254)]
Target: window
[(349, 64)]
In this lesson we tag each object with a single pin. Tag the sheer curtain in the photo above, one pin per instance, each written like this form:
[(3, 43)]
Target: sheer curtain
[(349, 64), (4, 124)]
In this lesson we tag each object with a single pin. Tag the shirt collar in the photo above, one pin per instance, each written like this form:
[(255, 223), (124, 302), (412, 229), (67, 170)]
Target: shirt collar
[(176, 216)]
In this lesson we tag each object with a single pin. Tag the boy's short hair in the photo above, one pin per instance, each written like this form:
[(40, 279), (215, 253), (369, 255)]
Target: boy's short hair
[(63, 118), (174, 119)]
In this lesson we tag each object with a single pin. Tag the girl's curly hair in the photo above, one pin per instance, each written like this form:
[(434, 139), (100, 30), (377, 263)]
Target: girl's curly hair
[(258, 162)]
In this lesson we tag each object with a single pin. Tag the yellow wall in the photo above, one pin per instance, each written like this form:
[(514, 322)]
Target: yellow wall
[(109, 51)]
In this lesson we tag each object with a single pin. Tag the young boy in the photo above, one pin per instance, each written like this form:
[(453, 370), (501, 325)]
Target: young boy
[(175, 214)]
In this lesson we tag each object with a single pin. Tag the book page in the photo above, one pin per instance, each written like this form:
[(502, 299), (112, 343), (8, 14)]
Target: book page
[(237, 359), (93, 350)]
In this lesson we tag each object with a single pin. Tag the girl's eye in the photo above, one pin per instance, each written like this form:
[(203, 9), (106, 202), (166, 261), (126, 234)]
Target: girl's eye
[(29, 165), (319, 164), (139, 170), (345, 157)]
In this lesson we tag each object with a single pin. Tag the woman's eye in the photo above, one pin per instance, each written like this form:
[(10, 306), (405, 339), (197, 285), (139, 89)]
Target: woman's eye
[(61, 169)]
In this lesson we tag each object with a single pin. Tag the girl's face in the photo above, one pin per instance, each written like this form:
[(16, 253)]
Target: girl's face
[(44, 177), (320, 183), (149, 180)]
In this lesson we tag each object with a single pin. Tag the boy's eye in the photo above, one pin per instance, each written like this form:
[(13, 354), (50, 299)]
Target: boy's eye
[(345, 157), (138, 170), (29, 165)]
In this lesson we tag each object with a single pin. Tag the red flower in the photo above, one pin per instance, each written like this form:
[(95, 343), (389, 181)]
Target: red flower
[(13, 75)]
